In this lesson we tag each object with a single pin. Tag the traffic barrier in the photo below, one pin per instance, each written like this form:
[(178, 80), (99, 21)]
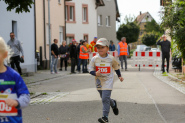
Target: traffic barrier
[(147, 59), (113, 53)]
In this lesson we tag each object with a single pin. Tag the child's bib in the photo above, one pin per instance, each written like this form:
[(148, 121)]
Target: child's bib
[(104, 68), (5, 110)]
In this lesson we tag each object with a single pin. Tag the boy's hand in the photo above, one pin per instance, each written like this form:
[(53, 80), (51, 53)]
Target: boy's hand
[(11, 102), (121, 79), (98, 73)]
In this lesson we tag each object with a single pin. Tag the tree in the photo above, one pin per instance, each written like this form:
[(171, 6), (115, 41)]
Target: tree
[(150, 39), (153, 26), (19, 5), (174, 20), (130, 30)]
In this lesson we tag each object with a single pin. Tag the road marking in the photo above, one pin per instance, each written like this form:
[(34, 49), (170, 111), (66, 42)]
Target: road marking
[(46, 98), (146, 90)]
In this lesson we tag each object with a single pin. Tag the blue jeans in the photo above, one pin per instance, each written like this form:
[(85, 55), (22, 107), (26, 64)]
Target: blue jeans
[(106, 101), (79, 64), (121, 58), (54, 62), (84, 65)]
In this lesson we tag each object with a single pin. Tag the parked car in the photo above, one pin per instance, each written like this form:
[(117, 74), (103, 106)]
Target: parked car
[(154, 49), (147, 48)]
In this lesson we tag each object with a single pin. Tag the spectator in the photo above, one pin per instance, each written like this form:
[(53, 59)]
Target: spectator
[(16, 47), (54, 56), (123, 52), (63, 51), (112, 46), (84, 56), (79, 60), (73, 56), (92, 45), (165, 46)]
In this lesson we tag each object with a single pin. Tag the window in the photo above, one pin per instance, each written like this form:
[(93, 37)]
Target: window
[(61, 34), (108, 21), (70, 37), (86, 37), (70, 12), (14, 28), (59, 1), (85, 13), (99, 20)]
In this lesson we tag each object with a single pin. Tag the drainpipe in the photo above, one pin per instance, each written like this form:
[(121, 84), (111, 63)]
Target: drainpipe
[(65, 17), (35, 33), (44, 13)]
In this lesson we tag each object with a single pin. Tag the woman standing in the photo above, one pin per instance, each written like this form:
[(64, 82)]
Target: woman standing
[(63, 51)]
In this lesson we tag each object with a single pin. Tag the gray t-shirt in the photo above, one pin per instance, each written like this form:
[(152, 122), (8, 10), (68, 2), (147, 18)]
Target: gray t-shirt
[(15, 47)]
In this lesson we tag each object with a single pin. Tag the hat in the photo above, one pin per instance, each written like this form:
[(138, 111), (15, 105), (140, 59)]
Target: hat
[(95, 37), (81, 41), (102, 42), (73, 40)]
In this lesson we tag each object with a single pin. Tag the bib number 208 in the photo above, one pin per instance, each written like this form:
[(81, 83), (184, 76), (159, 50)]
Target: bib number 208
[(4, 107)]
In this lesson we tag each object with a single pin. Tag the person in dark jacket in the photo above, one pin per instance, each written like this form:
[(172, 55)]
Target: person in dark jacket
[(112, 46), (73, 56), (63, 51), (79, 60), (54, 56), (165, 47)]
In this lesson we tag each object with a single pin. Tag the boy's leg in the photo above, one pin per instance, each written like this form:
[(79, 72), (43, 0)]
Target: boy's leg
[(106, 102)]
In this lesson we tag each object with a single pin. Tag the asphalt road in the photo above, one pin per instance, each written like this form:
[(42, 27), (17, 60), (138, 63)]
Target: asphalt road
[(141, 98)]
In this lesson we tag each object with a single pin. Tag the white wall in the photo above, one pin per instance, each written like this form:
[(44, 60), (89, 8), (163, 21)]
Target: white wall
[(25, 32), (78, 28)]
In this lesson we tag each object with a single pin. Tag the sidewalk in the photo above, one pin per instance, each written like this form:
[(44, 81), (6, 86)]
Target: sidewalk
[(42, 75)]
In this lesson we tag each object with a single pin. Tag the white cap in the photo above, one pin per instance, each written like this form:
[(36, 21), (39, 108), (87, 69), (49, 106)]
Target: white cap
[(102, 42)]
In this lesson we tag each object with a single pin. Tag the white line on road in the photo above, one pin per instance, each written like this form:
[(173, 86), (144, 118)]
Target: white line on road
[(146, 90)]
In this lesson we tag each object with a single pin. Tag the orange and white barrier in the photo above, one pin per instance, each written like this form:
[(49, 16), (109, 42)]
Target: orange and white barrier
[(147, 59), (113, 53)]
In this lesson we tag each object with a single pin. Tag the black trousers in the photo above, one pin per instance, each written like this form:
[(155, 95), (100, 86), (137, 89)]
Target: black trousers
[(15, 61), (61, 62), (73, 63), (167, 57)]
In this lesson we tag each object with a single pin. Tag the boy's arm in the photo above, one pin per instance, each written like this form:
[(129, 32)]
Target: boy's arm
[(118, 72), (23, 101), (91, 67)]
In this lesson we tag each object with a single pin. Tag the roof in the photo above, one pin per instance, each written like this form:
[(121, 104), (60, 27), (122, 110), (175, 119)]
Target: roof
[(140, 17), (99, 3)]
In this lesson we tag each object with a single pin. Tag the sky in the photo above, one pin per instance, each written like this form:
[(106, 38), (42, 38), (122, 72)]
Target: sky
[(133, 7)]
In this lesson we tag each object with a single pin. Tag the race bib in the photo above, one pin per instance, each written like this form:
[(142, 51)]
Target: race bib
[(5, 110), (104, 68)]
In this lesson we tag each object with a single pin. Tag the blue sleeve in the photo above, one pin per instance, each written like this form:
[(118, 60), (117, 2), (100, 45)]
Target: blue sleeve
[(118, 50), (118, 73), (114, 48), (93, 73), (21, 87)]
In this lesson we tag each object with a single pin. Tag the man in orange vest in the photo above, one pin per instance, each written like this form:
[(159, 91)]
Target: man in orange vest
[(92, 45), (84, 55), (123, 52)]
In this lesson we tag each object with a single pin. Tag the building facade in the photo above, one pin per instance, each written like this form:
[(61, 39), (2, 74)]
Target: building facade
[(141, 20), (57, 27), (81, 19), (107, 17), (23, 26)]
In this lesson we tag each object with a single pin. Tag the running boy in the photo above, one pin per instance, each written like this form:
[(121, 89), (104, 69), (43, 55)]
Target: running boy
[(101, 66), (14, 94)]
